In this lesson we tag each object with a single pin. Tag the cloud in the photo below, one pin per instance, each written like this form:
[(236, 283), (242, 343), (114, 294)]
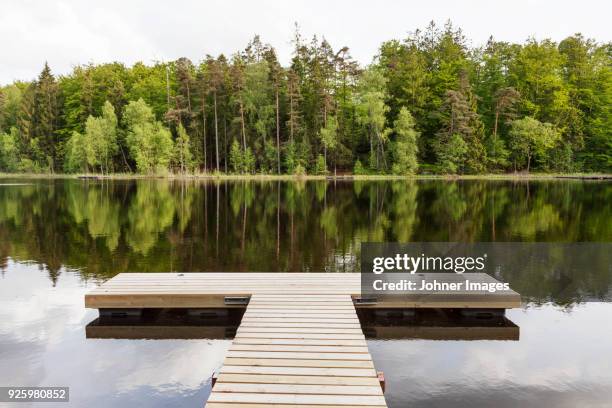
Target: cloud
[(71, 32)]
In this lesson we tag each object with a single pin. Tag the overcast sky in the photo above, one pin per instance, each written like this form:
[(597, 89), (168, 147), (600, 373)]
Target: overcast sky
[(70, 32)]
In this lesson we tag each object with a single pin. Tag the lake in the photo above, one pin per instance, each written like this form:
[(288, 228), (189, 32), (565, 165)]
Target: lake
[(61, 237)]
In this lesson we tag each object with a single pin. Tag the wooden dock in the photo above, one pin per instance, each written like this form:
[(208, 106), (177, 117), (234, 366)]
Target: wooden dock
[(300, 343), (232, 290)]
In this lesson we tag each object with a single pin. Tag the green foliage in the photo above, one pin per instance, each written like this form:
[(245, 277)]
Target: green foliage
[(296, 154), (149, 84), (459, 119), (101, 135), (529, 139), (450, 144), (9, 153), (38, 121), (329, 136), (290, 157), (182, 150), (97, 147), (80, 153), (235, 158), (451, 154), (10, 105), (405, 148), (359, 169), (497, 154), (371, 113), (249, 161), (268, 161), (149, 142), (561, 159), (536, 73), (299, 170), (241, 161), (323, 103), (320, 167)]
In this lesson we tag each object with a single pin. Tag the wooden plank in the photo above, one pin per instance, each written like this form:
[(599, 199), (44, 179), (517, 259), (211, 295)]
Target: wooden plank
[(300, 341), (300, 348), (299, 316), (251, 405), (320, 314), (298, 355), (321, 336), (306, 389), (278, 362), (297, 379), (318, 330), (302, 308), (295, 319), (280, 303), (289, 324), (291, 371), (346, 400)]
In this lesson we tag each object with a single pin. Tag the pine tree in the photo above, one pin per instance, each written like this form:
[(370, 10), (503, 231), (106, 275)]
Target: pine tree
[(238, 81), (276, 77), (215, 83), (460, 121), (295, 96), (44, 119)]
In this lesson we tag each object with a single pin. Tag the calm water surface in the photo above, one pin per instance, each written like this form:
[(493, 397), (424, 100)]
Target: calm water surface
[(60, 238)]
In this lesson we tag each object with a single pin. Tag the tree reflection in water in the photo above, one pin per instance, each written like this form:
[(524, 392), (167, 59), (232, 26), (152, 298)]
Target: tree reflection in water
[(105, 227)]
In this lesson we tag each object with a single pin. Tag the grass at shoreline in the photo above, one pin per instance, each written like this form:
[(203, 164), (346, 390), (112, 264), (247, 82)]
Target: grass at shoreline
[(288, 177)]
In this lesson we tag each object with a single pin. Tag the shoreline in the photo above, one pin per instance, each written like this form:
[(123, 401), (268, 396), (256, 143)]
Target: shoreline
[(289, 177)]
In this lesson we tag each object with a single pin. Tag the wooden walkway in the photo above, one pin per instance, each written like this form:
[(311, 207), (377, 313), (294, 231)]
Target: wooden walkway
[(298, 351)]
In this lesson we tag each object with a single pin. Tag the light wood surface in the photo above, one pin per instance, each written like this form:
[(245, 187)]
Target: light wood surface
[(298, 362), (310, 293)]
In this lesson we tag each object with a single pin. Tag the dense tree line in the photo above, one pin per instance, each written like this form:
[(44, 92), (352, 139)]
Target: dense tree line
[(427, 104)]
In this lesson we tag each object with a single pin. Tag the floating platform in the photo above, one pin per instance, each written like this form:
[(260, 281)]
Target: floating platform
[(299, 343), (233, 290)]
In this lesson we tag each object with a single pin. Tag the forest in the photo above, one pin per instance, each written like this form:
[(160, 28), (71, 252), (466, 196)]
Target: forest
[(428, 104)]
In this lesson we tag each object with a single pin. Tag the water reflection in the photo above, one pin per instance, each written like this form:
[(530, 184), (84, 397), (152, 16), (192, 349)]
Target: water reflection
[(560, 360), (102, 228), (42, 343), (435, 324), (430, 324), (168, 324), (59, 238)]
